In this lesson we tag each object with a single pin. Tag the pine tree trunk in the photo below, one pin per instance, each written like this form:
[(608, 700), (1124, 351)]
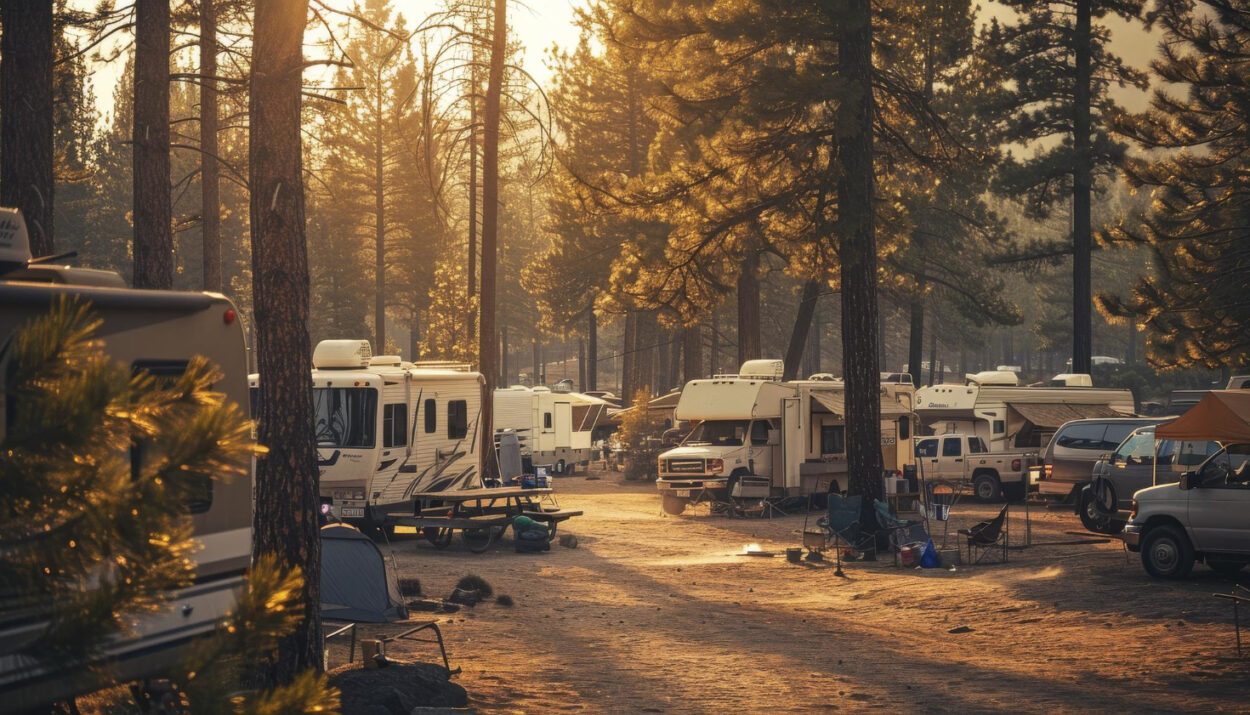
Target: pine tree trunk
[(802, 326), (504, 377), (285, 517), (915, 337), (644, 353), (749, 309), (592, 350), (932, 356), (674, 363), (154, 241), (414, 337), (210, 202), (858, 252), (692, 353), (487, 349), (1130, 352), (472, 277), (379, 232), (811, 354), (581, 365), (537, 367), (629, 358), (714, 348), (26, 164), (1082, 184)]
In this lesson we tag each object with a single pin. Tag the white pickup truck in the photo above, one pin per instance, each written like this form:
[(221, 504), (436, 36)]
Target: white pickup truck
[(964, 458)]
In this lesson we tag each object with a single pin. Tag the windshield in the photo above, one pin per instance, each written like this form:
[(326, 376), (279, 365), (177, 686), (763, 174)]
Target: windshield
[(345, 416), (722, 433)]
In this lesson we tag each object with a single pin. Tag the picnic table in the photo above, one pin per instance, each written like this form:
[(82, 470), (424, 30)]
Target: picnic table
[(481, 515)]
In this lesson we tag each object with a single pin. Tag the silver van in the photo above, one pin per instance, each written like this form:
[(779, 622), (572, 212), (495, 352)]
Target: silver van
[(1068, 462)]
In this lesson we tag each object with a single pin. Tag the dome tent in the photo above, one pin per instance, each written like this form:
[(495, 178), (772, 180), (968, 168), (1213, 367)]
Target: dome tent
[(355, 585)]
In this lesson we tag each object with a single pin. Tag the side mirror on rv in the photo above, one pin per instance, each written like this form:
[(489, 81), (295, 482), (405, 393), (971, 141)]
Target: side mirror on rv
[(1189, 480)]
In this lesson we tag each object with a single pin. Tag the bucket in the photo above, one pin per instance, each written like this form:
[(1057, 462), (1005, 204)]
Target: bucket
[(909, 555), (794, 554)]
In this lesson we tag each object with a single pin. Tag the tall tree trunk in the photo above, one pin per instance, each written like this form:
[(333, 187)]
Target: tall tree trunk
[(537, 366), (581, 365), (1130, 352), (414, 337), (210, 202), (592, 349), (487, 348), (714, 351), (802, 326), (674, 363), (644, 353), (154, 240), (882, 358), (858, 252), (504, 377), (285, 517), (749, 309), (811, 353), (629, 358), (1082, 184), (473, 203), (660, 361), (915, 336), (26, 164), (379, 229), (932, 356), (692, 353)]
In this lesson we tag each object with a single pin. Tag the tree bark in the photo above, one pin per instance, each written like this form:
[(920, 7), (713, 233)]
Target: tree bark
[(915, 336), (802, 326), (629, 343), (26, 163), (210, 202), (1082, 185), (692, 353), (714, 352), (644, 353), (473, 203), (858, 253), (674, 363), (932, 356), (811, 353), (581, 365), (592, 350), (537, 364), (285, 517), (154, 240), (487, 348), (414, 337), (379, 234), (749, 309)]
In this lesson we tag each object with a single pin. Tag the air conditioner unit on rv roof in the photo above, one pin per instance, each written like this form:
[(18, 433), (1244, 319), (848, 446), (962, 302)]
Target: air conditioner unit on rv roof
[(763, 369), (331, 354)]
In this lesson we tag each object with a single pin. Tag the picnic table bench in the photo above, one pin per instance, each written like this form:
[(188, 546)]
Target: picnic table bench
[(480, 515)]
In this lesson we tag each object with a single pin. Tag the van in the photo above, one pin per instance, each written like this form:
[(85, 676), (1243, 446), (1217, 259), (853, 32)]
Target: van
[(1068, 462)]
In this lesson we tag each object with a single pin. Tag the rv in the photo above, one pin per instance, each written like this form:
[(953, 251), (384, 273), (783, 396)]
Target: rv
[(387, 429), (994, 406), (555, 427), (793, 434), (159, 332)]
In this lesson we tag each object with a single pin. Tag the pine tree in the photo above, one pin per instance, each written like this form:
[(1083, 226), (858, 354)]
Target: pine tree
[(26, 111)]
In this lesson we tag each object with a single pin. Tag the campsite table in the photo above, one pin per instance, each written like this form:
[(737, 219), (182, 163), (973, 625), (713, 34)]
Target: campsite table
[(481, 515)]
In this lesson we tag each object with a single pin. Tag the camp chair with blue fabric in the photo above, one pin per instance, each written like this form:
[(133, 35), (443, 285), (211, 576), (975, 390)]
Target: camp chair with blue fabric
[(988, 537), (902, 531), (842, 523)]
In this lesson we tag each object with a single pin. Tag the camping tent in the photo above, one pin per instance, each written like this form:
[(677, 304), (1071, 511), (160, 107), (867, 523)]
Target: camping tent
[(354, 583), (1222, 415)]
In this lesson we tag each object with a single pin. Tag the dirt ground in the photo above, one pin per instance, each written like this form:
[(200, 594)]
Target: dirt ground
[(655, 613)]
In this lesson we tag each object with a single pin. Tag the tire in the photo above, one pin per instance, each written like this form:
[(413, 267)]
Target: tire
[(1093, 518), (1167, 553), (674, 506), (986, 487), (1228, 568)]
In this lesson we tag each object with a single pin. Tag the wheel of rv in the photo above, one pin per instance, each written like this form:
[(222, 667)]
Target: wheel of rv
[(673, 505), (985, 487), (440, 538), (479, 540)]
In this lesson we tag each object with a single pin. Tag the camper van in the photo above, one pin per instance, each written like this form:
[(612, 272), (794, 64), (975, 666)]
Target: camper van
[(554, 426), (994, 406), (792, 433), (160, 332), (387, 429)]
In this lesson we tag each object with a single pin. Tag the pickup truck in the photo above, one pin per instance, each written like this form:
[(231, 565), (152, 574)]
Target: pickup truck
[(963, 458)]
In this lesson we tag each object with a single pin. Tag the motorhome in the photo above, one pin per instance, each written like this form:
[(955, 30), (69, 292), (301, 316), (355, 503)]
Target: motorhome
[(159, 332), (793, 433), (994, 406), (387, 429), (555, 426)]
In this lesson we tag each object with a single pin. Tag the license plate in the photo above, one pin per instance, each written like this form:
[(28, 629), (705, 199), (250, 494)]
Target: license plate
[(683, 492), (347, 512)]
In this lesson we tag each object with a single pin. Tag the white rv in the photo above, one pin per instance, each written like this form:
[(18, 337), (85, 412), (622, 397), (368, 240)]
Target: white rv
[(159, 332), (792, 433), (554, 426), (994, 406), (387, 429)]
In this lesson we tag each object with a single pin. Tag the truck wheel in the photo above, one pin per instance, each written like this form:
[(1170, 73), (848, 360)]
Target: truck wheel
[(1166, 553), (673, 506), (986, 487), (1092, 517), (1225, 567)]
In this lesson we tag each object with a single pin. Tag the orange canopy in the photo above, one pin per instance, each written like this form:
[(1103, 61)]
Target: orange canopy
[(1222, 416)]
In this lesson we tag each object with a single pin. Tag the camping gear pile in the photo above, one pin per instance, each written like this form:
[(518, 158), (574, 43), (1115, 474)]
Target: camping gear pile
[(530, 536)]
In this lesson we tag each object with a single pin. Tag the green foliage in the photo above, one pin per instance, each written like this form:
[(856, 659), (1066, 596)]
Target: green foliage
[(88, 532)]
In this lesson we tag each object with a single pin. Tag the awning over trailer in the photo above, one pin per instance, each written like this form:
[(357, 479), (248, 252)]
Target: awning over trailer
[(1054, 415), (1222, 416), (831, 401)]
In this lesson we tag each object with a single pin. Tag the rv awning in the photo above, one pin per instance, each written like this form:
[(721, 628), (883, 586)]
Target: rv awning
[(1222, 416), (892, 409), (1059, 413), (831, 401)]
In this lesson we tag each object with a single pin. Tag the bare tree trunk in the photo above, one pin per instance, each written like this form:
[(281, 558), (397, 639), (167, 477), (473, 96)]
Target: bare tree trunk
[(674, 363), (487, 349), (592, 349), (629, 357), (473, 203), (537, 364), (285, 517), (154, 240), (581, 365), (749, 309), (1082, 183), (932, 355), (858, 252), (210, 202), (915, 338), (714, 352), (414, 337), (644, 353), (692, 353), (26, 164), (379, 237), (802, 326), (660, 361), (811, 354)]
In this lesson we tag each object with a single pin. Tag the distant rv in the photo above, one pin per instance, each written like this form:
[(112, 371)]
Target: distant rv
[(555, 427), (993, 406), (387, 429)]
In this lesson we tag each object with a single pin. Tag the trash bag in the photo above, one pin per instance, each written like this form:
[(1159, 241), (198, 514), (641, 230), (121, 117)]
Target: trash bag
[(929, 559), (533, 539)]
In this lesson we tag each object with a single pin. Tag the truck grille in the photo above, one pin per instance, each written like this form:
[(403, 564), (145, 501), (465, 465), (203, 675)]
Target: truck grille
[(685, 466)]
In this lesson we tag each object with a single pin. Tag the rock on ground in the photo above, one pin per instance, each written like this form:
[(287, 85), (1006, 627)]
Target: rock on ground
[(397, 689)]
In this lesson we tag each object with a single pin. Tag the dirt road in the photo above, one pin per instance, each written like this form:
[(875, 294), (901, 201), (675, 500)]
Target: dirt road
[(656, 613)]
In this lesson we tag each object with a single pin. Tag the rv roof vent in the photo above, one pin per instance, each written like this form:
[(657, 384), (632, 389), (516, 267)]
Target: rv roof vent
[(330, 354), (565, 385), (387, 360), (993, 377), (1070, 379), (762, 369), (823, 377)]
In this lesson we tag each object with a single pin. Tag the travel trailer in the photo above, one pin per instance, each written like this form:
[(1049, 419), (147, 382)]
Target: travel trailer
[(555, 427), (160, 332), (994, 406), (387, 429), (791, 433)]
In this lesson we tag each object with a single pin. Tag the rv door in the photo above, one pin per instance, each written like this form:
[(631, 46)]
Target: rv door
[(792, 434), (564, 424)]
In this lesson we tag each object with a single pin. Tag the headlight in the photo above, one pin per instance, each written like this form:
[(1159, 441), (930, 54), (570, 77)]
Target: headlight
[(1132, 513), (715, 466)]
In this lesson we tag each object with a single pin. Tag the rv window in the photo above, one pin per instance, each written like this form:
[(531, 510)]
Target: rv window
[(759, 433), (926, 448), (431, 416), (395, 425), (346, 416), (951, 447), (546, 420), (904, 428), (1000, 426), (166, 373), (832, 439), (457, 419)]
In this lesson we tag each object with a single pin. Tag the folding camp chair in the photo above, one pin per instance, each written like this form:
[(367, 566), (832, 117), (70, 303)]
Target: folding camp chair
[(902, 531), (988, 537), (842, 524)]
